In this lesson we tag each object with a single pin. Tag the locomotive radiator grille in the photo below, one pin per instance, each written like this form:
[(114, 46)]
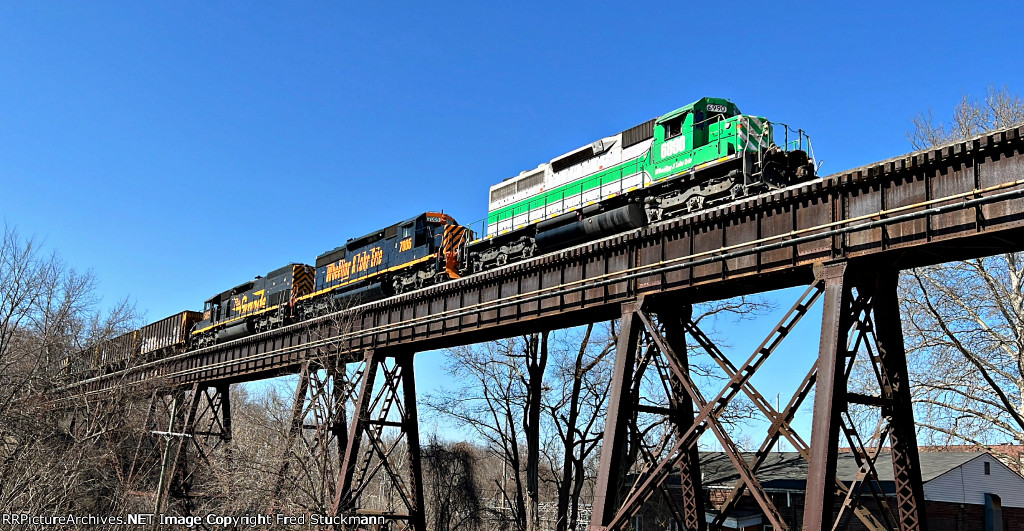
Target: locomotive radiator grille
[(454, 238), (302, 283)]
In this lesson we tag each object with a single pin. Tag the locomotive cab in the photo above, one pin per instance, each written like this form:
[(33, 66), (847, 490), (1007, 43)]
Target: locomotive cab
[(694, 132), (215, 309), (709, 152)]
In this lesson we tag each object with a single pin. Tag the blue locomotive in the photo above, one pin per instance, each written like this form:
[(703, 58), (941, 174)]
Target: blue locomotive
[(258, 305)]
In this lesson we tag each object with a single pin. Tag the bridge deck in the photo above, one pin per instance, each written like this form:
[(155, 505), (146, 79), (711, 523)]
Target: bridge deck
[(963, 200)]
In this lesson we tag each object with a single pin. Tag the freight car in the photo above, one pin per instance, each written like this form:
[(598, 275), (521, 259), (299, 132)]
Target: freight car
[(698, 155), (166, 336)]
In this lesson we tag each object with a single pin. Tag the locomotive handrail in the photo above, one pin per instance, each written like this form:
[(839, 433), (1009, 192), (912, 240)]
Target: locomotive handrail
[(801, 135)]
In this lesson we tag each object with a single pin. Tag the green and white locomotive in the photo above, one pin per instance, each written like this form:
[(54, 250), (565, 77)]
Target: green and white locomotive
[(699, 155)]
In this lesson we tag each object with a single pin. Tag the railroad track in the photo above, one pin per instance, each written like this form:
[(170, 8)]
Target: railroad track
[(960, 200)]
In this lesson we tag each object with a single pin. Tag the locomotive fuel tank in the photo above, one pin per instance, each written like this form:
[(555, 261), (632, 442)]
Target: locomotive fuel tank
[(555, 233), (234, 331)]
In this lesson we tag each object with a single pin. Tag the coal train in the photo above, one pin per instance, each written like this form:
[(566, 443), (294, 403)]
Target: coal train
[(697, 156)]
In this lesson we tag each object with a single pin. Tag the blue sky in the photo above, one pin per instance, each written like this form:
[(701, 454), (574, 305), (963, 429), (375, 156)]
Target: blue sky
[(180, 149)]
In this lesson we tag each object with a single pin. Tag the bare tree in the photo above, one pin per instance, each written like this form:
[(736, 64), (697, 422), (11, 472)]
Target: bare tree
[(575, 407), (493, 402), (536, 353), (1000, 108), (48, 313), (964, 321), (963, 326), (501, 381)]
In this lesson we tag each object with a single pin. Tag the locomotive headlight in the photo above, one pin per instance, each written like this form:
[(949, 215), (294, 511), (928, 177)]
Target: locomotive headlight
[(728, 125)]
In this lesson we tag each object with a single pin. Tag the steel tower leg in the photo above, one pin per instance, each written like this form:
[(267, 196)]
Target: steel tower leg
[(345, 498), (181, 466), (224, 392), (673, 321), (379, 412), (829, 399), (620, 412), (665, 351), (417, 517), (895, 387), (667, 358), (859, 307), (317, 422)]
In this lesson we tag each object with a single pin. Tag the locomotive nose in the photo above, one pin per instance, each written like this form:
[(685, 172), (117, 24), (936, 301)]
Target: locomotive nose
[(800, 166)]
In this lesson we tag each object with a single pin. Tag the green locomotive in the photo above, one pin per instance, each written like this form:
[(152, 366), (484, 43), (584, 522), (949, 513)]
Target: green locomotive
[(695, 156)]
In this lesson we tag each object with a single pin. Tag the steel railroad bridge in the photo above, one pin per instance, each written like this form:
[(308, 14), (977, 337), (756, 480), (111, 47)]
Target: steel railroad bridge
[(845, 236)]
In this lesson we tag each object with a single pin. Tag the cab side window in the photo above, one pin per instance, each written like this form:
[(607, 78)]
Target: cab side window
[(405, 234), (674, 127), (213, 310)]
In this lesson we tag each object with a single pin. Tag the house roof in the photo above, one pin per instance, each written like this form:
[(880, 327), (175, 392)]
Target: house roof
[(787, 470)]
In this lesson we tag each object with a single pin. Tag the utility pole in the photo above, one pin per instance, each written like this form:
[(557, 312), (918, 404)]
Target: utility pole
[(167, 435)]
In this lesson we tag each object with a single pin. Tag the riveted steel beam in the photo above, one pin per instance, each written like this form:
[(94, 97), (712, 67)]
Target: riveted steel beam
[(620, 412), (391, 405)]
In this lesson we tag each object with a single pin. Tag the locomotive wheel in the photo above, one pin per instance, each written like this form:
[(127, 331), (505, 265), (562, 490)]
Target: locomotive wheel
[(775, 169)]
